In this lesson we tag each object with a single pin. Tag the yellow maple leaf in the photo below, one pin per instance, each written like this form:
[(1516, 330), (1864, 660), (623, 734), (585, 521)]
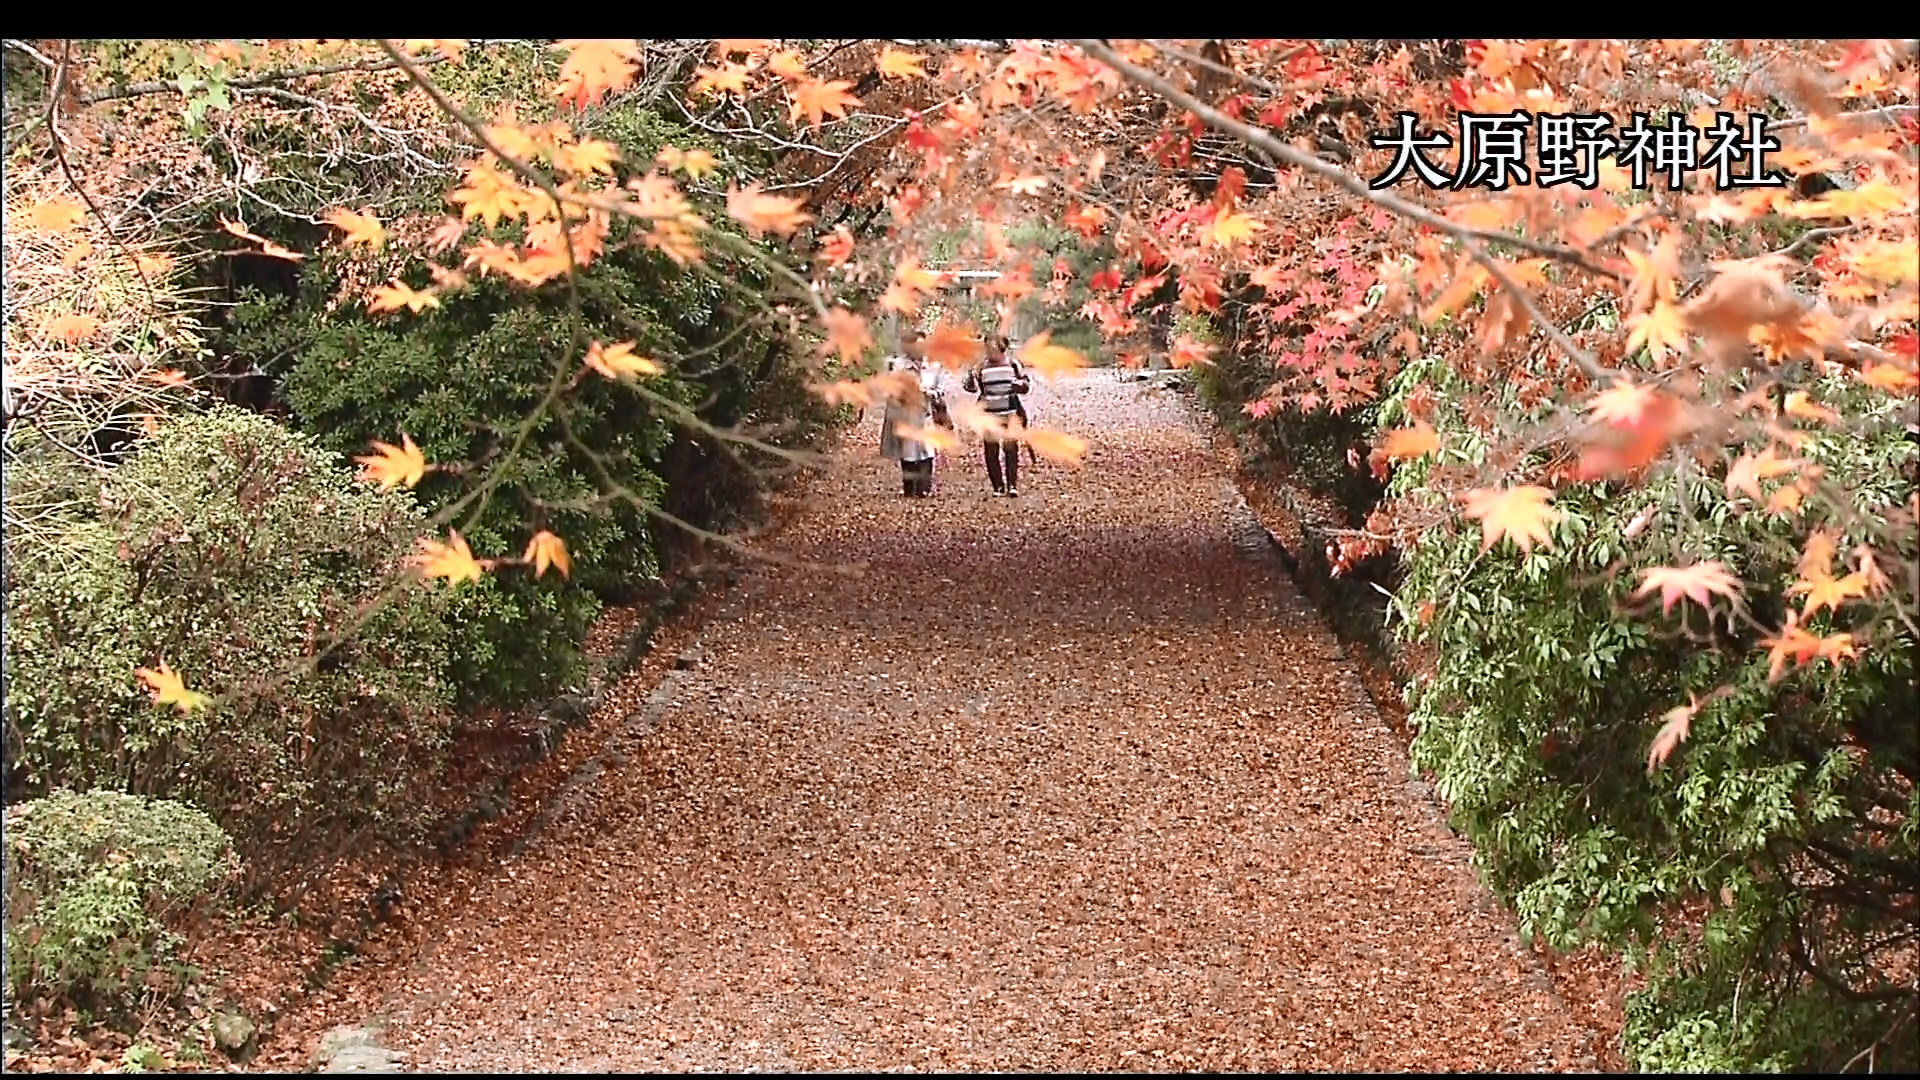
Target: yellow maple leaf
[(936, 437), (584, 158), (1800, 405), (547, 550), (900, 64), (594, 67), (817, 99), (1229, 229), (489, 195), (1654, 274), (397, 295), (728, 78), (1038, 353), (1662, 330), (727, 48), (1825, 591), (452, 560), (55, 215), (762, 213), (1464, 286), (391, 465), (620, 362), (1520, 513), (170, 689), (787, 63), (361, 228)]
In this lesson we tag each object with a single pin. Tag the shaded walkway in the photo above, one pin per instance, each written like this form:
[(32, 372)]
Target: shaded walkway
[(1069, 782)]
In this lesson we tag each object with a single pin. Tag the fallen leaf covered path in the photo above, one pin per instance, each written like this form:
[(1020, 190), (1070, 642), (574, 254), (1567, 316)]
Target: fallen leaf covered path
[(1075, 781)]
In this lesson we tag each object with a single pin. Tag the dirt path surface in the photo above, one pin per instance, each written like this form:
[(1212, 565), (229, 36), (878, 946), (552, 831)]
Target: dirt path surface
[(1074, 781)]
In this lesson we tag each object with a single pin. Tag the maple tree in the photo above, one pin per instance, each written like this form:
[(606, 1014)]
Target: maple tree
[(1535, 357)]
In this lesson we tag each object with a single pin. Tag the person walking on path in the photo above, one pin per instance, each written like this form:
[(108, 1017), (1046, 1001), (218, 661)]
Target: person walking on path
[(916, 457), (999, 380)]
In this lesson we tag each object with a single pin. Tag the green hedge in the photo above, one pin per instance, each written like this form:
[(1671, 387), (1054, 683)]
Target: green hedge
[(239, 553), (91, 880), (1546, 694)]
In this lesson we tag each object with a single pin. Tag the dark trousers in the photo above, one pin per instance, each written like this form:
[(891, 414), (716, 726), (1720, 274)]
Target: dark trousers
[(996, 452), (916, 477)]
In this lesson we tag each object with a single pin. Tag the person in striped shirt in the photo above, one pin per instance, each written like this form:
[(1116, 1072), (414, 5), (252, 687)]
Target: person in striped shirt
[(999, 380)]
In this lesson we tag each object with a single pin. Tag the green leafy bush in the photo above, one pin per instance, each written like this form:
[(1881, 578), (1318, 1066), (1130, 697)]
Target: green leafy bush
[(91, 879), (1765, 874), (250, 561)]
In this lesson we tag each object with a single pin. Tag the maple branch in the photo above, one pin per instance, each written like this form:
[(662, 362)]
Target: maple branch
[(45, 61), (1883, 112), (1470, 238), (1254, 81), (1265, 142), (255, 82)]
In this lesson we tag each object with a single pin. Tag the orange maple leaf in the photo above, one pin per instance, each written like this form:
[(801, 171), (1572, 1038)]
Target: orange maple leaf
[(169, 688), (1188, 351), (547, 550), (489, 195), (1698, 583), (847, 334), (1521, 514), (837, 248), (72, 328), (1891, 378), (392, 465), (953, 346), (1056, 445), (1745, 474), (586, 157), (595, 66), (361, 228), (1794, 643), (762, 213), (817, 99), (1411, 442), (1624, 404), (1675, 724)]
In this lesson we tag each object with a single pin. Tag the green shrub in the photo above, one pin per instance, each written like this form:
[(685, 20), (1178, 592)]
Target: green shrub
[(467, 381), (91, 879), (249, 560), (1788, 815)]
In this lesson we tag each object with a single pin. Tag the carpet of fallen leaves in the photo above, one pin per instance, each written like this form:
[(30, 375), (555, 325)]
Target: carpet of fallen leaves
[(1073, 781), (1592, 980)]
